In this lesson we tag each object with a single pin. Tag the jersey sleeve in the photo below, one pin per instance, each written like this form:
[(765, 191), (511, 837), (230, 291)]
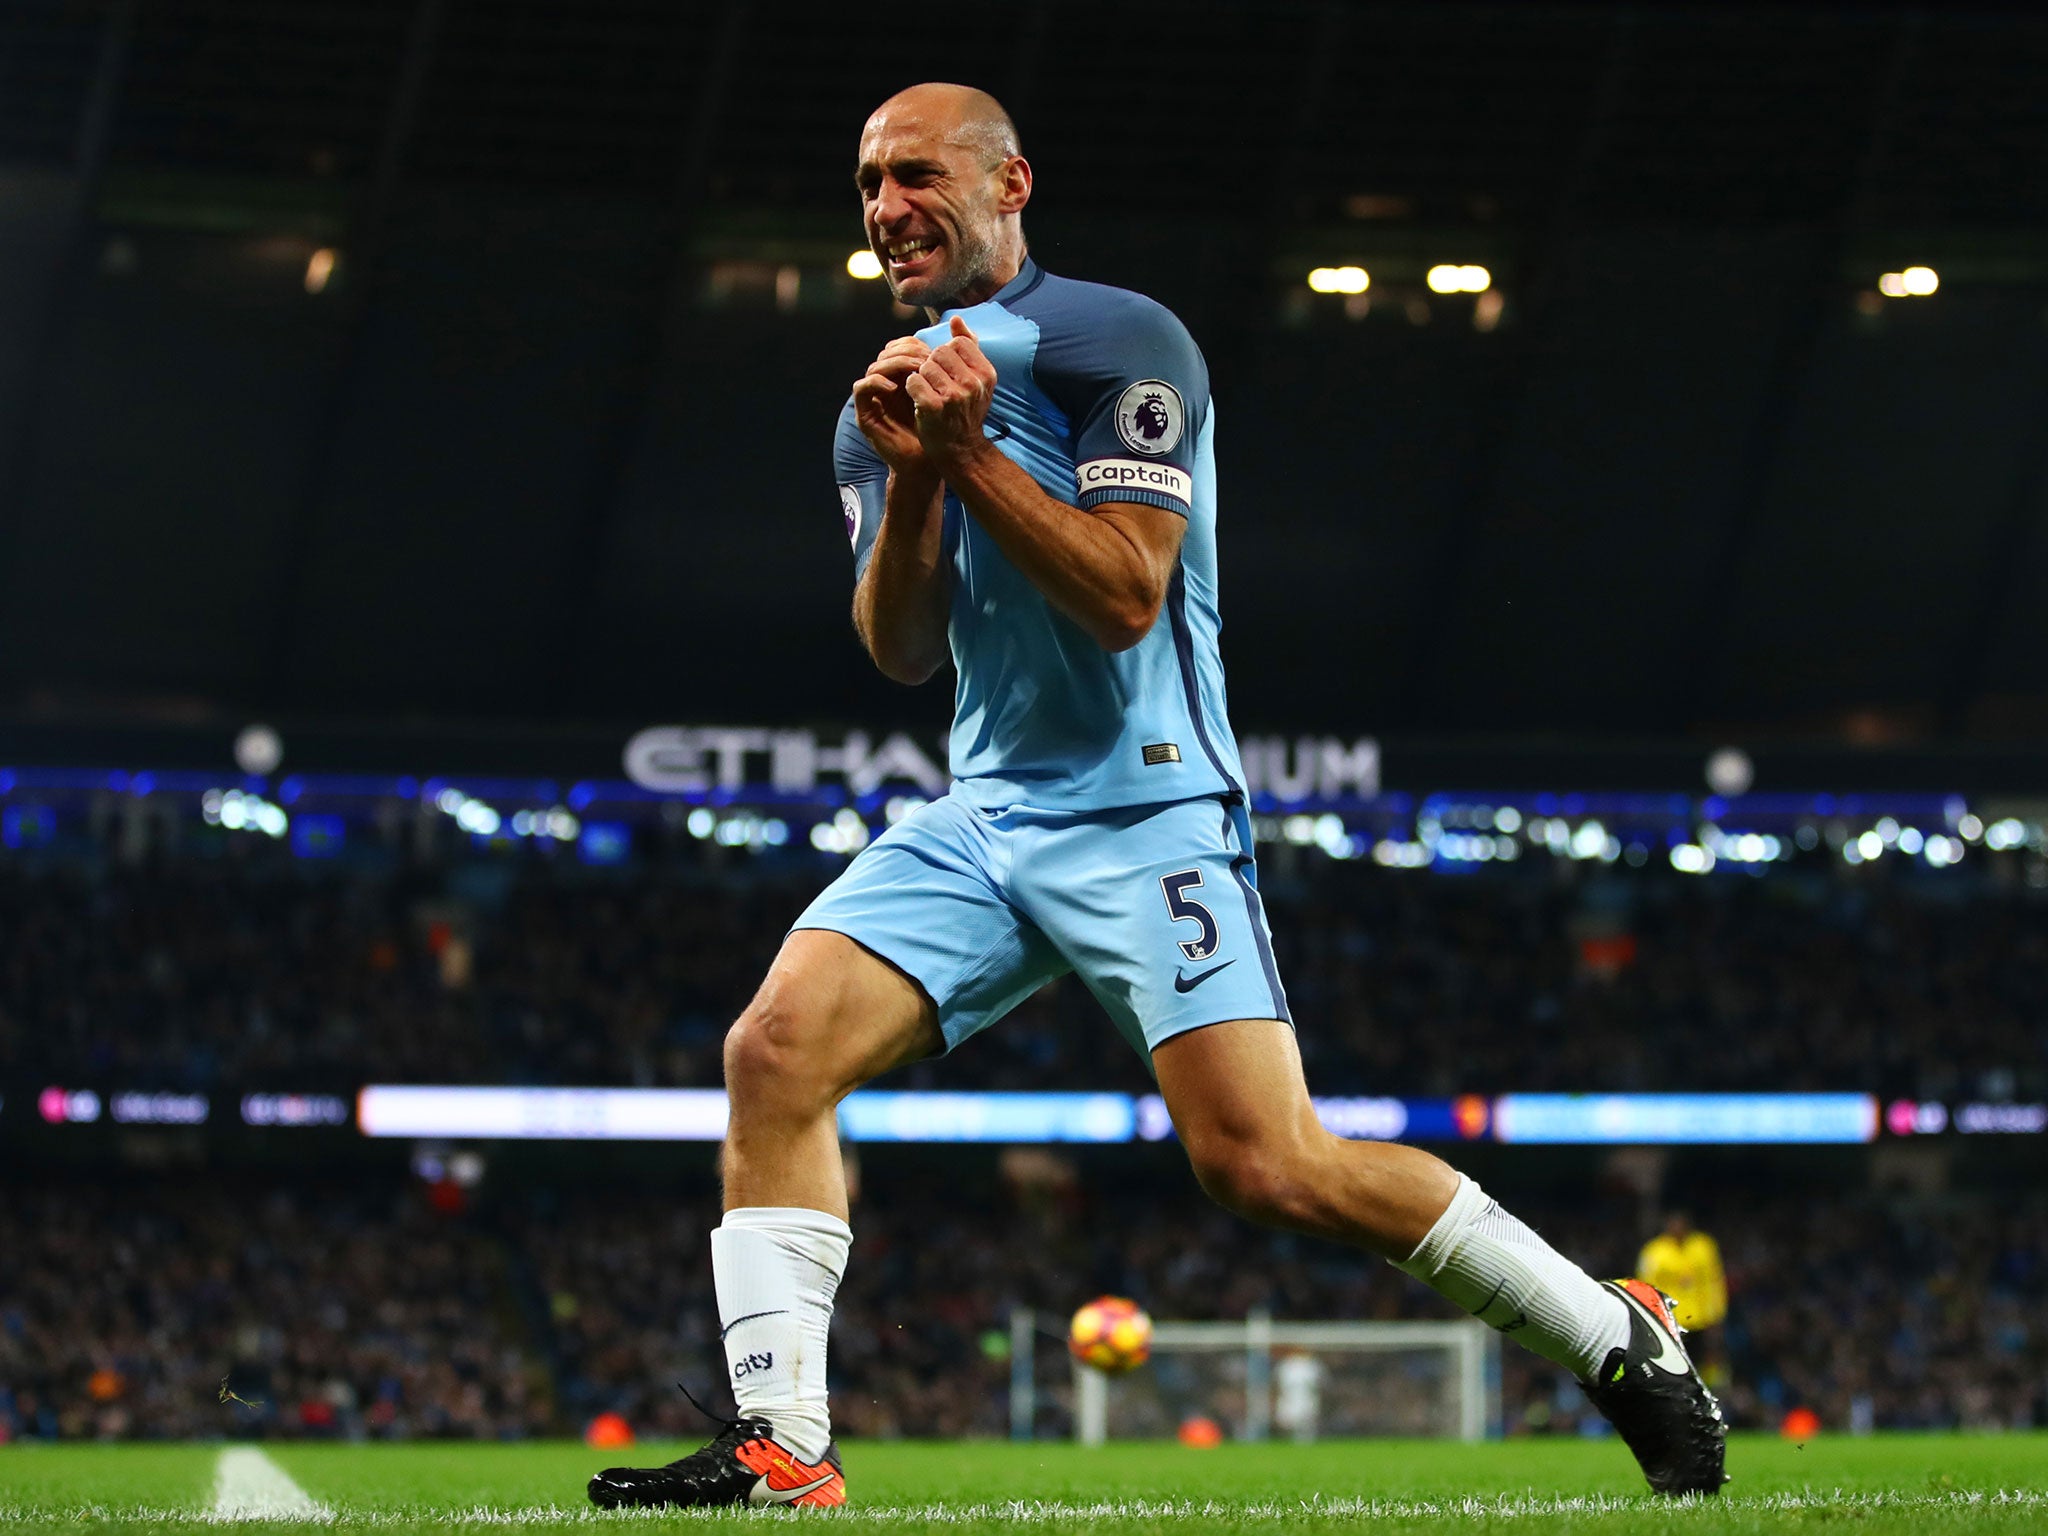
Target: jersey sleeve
[(1136, 390), (863, 482)]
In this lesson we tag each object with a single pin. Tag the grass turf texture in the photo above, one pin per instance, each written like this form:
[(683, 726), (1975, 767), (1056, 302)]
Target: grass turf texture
[(1877, 1486)]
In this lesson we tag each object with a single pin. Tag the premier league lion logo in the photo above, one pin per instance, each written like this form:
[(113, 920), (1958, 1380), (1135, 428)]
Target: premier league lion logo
[(1150, 417), (1152, 420)]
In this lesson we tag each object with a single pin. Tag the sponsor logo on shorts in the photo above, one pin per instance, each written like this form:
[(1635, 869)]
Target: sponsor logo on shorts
[(1134, 475), (1162, 752), (1150, 417)]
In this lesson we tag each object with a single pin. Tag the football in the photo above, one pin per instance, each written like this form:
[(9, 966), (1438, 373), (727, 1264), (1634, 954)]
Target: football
[(1111, 1333)]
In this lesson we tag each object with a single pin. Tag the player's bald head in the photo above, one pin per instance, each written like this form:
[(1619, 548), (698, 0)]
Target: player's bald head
[(943, 187), (950, 114)]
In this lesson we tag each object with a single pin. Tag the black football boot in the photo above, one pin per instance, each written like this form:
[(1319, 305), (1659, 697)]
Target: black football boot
[(1652, 1394)]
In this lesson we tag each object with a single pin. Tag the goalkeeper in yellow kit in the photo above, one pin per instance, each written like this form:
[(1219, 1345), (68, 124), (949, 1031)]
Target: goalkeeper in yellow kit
[(1685, 1264)]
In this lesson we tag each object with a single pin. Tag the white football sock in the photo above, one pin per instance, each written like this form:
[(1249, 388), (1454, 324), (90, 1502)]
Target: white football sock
[(1509, 1278), (776, 1269)]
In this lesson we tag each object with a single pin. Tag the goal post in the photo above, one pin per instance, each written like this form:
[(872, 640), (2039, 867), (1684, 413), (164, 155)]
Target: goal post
[(1259, 1378)]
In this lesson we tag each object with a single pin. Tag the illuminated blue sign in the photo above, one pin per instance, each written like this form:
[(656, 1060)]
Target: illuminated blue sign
[(1000, 1117), (1678, 1119)]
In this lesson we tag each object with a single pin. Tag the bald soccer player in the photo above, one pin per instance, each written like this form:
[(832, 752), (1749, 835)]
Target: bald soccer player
[(1029, 487)]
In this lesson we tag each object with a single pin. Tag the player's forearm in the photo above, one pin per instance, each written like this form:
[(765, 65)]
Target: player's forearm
[(900, 607), (1083, 563)]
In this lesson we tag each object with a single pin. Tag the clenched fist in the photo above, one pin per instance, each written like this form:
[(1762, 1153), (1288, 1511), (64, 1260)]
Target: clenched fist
[(951, 389), (883, 411)]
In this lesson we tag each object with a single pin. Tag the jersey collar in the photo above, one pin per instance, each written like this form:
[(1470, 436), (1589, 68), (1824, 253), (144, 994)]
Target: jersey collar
[(1028, 277)]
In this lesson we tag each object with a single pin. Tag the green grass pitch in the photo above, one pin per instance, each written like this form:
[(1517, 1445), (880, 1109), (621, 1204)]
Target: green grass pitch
[(1875, 1487)]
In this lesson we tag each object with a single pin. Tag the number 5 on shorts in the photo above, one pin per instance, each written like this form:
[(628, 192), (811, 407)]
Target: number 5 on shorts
[(1181, 909)]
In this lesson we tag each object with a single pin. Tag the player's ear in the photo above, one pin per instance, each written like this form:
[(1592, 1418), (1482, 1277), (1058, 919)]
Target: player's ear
[(1016, 185)]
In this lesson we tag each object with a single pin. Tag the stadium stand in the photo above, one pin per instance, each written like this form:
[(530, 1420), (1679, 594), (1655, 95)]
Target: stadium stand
[(285, 973), (341, 1313)]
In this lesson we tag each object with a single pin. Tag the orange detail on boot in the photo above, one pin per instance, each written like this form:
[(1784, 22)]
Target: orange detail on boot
[(1653, 1298), (785, 1480)]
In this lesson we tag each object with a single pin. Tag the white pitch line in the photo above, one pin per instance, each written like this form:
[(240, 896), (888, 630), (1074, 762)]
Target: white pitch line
[(248, 1485)]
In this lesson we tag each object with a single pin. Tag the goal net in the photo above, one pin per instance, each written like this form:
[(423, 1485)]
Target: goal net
[(1259, 1379)]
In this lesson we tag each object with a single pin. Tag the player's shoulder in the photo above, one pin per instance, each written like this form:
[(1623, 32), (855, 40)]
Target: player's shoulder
[(1071, 304), (1091, 334)]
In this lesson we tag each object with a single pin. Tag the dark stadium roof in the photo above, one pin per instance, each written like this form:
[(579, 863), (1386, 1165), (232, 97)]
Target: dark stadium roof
[(1700, 474), (1700, 111)]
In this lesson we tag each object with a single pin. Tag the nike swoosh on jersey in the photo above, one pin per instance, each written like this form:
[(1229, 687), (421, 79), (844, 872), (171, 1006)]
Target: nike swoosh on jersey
[(764, 1494), (1185, 983), (1670, 1356)]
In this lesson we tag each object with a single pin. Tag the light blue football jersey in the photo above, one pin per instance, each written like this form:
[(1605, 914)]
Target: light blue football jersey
[(1101, 396)]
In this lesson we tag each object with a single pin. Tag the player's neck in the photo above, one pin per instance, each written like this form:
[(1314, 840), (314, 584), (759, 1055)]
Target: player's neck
[(980, 291)]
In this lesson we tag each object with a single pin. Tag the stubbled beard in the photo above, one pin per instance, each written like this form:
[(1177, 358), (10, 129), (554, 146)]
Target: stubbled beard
[(970, 260)]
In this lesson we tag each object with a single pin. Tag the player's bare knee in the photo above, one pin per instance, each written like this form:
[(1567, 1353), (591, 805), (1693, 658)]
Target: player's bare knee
[(765, 1061)]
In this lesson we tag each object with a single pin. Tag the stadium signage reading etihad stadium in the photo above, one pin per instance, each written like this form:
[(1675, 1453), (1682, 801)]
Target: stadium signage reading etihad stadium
[(692, 759), (686, 759)]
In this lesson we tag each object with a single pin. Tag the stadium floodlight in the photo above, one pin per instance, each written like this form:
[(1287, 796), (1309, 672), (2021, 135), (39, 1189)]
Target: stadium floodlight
[(1339, 280), (1447, 277), (1691, 859), (864, 264), (1730, 771), (1911, 283), (1296, 1379), (258, 750)]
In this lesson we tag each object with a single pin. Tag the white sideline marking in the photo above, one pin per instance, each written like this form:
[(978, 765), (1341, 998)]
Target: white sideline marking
[(248, 1485)]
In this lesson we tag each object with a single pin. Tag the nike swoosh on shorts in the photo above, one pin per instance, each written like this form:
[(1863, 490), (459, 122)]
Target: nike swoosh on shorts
[(1183, 983)]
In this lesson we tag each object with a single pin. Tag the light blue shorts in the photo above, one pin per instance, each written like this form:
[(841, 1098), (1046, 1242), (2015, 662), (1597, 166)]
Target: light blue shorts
[(1155, 907)]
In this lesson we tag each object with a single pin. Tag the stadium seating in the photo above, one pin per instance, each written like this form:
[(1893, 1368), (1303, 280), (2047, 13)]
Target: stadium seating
[(345, 1313), (270, 973)]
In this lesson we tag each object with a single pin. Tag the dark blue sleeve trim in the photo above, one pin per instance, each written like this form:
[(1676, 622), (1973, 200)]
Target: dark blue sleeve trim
[(1093, 499)]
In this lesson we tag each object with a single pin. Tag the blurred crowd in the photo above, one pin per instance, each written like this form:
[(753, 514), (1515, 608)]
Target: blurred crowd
[(189, 1307), (281, 974), (441, 1312), (180, 1310)]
